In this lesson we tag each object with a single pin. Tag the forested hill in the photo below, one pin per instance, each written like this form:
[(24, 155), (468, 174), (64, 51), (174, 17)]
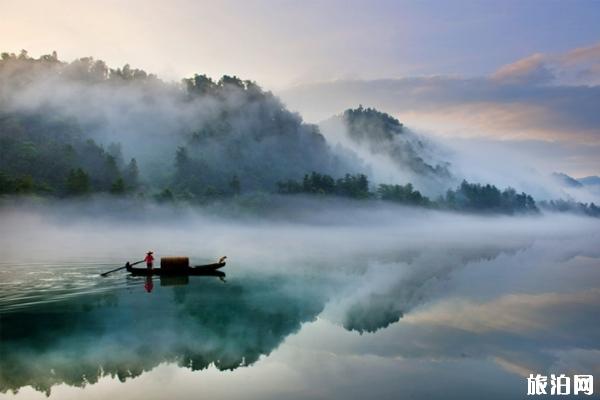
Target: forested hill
[(384, 134), (78, 128), (72, 128), (47, 154)]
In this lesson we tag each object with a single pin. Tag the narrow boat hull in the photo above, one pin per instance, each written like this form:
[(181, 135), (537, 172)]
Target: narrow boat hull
[(200, 270)]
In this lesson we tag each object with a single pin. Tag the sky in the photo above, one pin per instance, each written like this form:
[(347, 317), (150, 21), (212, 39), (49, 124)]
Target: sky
[(508, 71), (281, 43)]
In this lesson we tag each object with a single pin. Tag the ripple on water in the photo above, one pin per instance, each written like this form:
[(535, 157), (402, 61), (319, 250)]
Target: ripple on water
[(25, 285)]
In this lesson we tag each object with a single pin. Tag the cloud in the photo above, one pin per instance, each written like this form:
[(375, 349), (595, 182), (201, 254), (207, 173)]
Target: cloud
[(523, 314), (357, 266), (492, 108), (543, 107), (582, 55), (584, 63), (579, 66), (530, 166), (531, 69), (548, 101), (541, 96), (509, 317)]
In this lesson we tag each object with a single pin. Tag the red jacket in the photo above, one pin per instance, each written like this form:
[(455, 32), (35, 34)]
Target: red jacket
[(149, 259)]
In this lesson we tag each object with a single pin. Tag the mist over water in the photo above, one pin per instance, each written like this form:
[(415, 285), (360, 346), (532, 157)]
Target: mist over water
[(443, 245), (395, 295)]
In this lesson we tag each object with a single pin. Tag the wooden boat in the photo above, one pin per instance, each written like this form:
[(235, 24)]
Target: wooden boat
[(199, 270)]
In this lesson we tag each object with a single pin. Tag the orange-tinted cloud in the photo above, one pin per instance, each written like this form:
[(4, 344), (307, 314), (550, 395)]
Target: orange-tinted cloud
[(529, 70)]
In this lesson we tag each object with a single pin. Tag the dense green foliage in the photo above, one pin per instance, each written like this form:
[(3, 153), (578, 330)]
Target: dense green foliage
[(371, 124), (384, 135), (199, 140), (78, 182), (471, 197), (250, 145), (206, 138), (590, 209), (21, 69), (51, 156), (353, 186), (488, 198), (402, 194)]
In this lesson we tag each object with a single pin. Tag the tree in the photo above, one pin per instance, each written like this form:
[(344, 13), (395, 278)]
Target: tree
[(231, 81), (99, 71), (78, 182), (111, 172), (7, 185), (488, 198), (131, 174), (181, 158), (24, 184), (199, 85), (356, 186), (115, 150), (182, 165), (166, 196), (402, 194), (118, 187), (289, 187), (234, 185)]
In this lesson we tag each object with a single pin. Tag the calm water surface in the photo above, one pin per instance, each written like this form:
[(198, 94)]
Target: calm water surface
[(444, 319)]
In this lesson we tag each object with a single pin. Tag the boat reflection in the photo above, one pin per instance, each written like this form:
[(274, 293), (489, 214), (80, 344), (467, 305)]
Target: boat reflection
[(178, 280), (122, 333), (149, 285)]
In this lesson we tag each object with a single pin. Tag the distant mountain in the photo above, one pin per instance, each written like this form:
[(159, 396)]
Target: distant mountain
[(372, 132), (566, 180), (590, 180), (83, 127)]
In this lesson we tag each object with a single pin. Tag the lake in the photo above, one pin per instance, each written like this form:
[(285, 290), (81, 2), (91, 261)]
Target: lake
[(333, 304)]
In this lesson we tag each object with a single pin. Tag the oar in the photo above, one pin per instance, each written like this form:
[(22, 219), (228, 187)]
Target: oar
[(120, 268)]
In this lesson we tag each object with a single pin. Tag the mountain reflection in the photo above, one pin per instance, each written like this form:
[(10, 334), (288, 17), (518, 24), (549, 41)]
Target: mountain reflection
[(524, 291), (126, 332), (406, 287)]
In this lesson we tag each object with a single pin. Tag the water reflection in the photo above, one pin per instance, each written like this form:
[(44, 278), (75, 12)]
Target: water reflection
[(408, 281), (476, 316), (178, 280), (149, 284), (122, 333)]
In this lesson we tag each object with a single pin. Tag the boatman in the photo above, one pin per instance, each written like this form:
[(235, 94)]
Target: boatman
[(149, 259)]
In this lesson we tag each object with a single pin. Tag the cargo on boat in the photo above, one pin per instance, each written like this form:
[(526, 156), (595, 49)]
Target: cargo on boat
[(178, 266)]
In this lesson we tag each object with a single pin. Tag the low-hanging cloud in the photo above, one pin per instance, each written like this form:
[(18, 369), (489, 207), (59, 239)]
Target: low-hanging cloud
[(363, 268), (530, 111), (536, 98), (231, 127)]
